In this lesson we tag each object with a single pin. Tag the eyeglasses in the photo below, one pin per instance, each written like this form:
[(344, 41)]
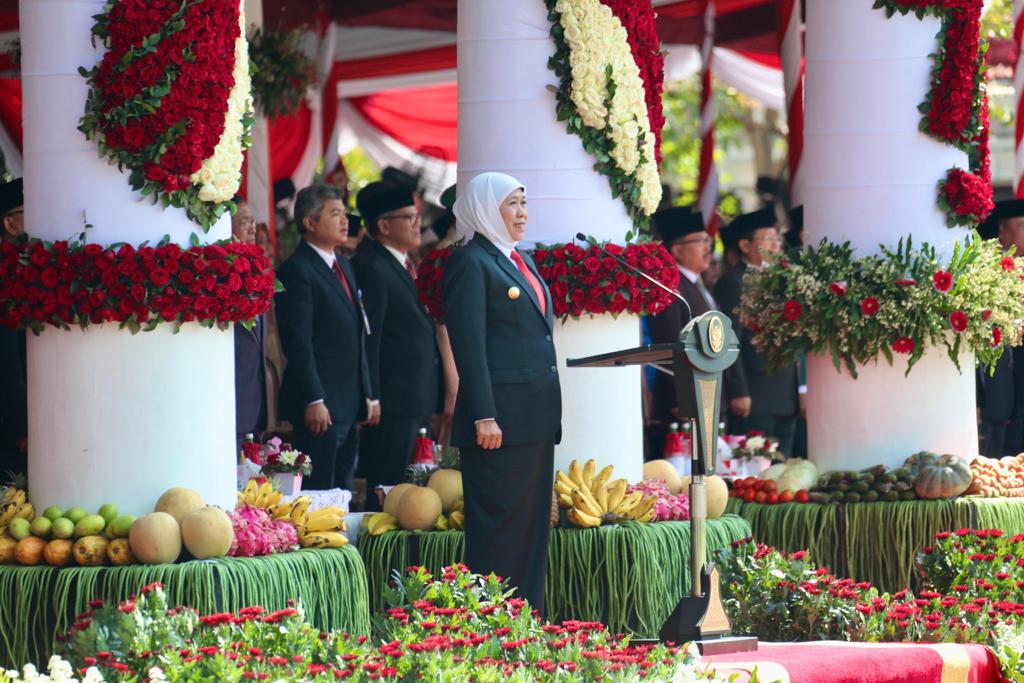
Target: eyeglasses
[(699, 240), (770, 239), (407, 217)]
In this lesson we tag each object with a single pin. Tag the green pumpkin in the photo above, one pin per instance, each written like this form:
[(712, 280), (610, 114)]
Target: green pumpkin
[(947, 477), (918, 460)]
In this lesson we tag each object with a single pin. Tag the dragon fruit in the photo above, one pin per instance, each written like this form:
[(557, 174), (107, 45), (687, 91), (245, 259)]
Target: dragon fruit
[(257, 534), (667, 507)]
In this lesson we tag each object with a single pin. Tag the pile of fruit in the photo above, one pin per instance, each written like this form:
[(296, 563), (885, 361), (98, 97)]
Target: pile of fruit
[(264, 524), (591, 500), (765, 491), (438, 506), (865, 486), (998, 477), (668, 506), (716, 491)]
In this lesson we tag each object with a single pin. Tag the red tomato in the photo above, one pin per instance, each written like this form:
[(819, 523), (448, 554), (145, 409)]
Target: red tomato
[(786, 496), (749, 482), (759, 485), (770, 486), (760, 497), (748, 496), (772, 498), (802, 496)]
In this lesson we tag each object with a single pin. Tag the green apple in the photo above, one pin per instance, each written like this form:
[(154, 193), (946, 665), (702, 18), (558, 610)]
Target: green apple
[(75, 514), (41, 527), (108, 512), (53, 512), (19, 528), (63, 528)]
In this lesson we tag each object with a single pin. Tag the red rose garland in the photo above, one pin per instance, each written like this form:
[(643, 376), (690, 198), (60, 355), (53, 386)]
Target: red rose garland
[(158, 98), (581, 280), (956, 108), (639, 20), (62, 284)]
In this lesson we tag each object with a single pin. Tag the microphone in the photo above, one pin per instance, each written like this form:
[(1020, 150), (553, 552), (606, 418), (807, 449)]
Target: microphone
[(594, 243)]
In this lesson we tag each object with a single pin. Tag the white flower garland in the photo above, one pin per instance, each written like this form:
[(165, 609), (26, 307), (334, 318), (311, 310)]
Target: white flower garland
[(220, 176), (598, 41), (60, 671)]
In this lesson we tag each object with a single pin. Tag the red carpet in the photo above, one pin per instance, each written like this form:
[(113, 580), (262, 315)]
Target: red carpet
[(861, 663)]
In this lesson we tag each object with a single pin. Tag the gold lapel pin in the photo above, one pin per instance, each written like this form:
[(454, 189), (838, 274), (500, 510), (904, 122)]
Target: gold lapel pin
[(513, 293)]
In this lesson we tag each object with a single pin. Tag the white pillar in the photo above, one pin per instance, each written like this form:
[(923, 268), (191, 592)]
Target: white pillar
[(507, 123), (112, 417), (869, 176)]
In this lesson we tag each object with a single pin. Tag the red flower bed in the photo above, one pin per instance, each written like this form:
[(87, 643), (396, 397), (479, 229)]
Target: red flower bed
[(62, 284), (638, 18), (158, 98), (956, 109), (581, 280)]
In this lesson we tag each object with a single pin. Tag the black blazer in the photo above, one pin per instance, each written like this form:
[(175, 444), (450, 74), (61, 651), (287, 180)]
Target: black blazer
[(13, 391), (250, 378), (771, 394), (323, 339), (503, 347), (401, 349)]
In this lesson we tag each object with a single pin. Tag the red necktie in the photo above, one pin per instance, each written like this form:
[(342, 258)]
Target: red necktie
[(534, 282), (411, 267), (344, 281)]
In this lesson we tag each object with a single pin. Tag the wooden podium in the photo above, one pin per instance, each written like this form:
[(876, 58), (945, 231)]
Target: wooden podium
[(706, 347)]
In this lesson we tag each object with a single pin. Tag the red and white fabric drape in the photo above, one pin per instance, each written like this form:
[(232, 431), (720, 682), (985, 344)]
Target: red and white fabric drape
[(707, 182), (791, 49)]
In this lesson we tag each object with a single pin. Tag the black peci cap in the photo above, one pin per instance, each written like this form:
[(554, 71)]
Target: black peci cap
[(675, 222)]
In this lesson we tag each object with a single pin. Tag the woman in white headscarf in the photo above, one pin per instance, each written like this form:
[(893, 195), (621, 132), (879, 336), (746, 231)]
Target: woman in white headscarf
[(509, 408)]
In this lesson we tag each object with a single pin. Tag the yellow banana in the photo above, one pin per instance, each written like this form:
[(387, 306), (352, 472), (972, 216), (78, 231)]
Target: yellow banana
[(565, 500), (326, 512), (576, 474), (325, 523), (281, 511), (584, 502), (647, 516), (602, 477), (377, 523), (601, 496), (274, 498), (616, 492), (562, 487), (250, 492), (323, 539), (26, 511), (299, 507), (589, 468), (629, 502), (641, 508), (582, 519), (457, 519)]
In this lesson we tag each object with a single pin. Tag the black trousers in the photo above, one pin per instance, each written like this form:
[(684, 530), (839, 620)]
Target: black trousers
[(508, 511), (333, 454), (385, 451)]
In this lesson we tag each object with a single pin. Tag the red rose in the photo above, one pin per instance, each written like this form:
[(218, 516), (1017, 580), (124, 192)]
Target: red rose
[(943, 281), (792, 310), (1007, 264), (986, 314), (958, 321), (869, 306), (838, 288), (903, 345), (997, 336)]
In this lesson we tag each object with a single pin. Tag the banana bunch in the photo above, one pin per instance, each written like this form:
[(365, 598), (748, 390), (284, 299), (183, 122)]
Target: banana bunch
[(379, 523), (591, 500), (292, 511), (14, 503), (323, 528), (259, 495)]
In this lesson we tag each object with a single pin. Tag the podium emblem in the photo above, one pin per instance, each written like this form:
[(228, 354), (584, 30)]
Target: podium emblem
[(716, 335)]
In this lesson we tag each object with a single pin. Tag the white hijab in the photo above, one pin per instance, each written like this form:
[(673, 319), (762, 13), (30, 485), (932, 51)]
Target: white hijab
[(478, 208)]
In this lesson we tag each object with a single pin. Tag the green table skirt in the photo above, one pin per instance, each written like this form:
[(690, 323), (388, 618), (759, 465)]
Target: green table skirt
[(628, 576)]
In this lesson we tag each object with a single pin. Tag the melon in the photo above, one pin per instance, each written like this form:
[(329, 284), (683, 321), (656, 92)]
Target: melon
[(91, 551), (155, 538), (718, 496), (448, 484), (57, 553), (394, 497), (178, 502), (207, 533), (419, 509), (663, 470), (29, 550)]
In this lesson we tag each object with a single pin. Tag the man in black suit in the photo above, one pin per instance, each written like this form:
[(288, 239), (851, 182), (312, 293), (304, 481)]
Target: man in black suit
[(326, 386), (1000, 395), (250, 366), (401, 350), (13, 389), (681, 230), (763, 401)]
